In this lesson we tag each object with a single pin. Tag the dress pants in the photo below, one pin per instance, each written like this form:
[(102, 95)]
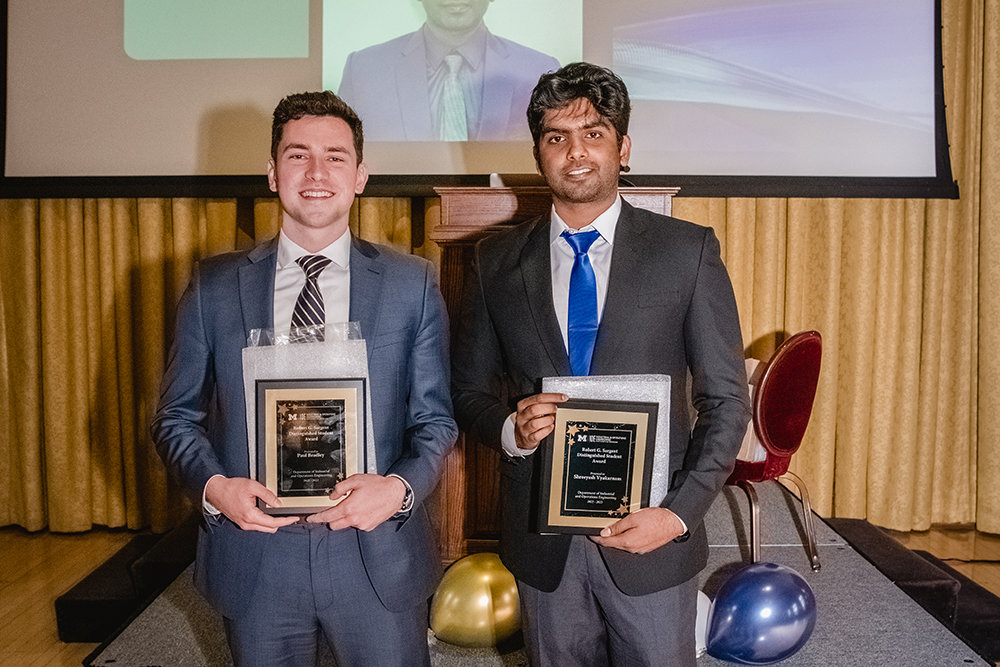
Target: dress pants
[(312, 580), (588, 621)]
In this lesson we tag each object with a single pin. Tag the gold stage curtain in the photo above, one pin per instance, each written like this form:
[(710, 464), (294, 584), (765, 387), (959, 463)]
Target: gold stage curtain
[(88, 292), (906, 427)]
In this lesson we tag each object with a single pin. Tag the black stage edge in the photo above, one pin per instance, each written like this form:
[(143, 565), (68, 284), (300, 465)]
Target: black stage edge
[(112, 595), (959, 603)]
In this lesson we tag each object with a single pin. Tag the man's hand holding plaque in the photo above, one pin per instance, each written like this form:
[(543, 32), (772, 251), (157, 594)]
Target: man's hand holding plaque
[(535, 419), (596, 467), (364, 501), (237, 498), (642, 531)]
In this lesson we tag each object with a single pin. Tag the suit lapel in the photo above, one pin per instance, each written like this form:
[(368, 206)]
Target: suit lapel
[(498, 89), (536, 273), (256, 287), (411, 87), (618, 316), (366, 287)]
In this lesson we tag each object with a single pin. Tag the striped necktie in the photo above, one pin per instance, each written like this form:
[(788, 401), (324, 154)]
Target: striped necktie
[(454, 126), (309, 308)]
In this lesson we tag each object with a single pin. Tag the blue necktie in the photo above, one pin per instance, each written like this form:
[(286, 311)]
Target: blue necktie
[(582, 320)]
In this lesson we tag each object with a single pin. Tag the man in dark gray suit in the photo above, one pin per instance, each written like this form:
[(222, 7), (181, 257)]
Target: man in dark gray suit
[(664, 305), (400, 87), (360, 572)]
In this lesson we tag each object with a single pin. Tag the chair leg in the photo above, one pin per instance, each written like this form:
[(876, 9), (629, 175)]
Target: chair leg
[(754, 519), (807, 519)]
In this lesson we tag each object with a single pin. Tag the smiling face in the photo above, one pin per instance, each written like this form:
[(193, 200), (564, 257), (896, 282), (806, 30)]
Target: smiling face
[(578, 153), (455, 15), (316, 174)]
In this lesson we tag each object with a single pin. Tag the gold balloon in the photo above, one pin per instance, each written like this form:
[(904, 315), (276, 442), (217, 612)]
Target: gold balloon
[(476, 603)]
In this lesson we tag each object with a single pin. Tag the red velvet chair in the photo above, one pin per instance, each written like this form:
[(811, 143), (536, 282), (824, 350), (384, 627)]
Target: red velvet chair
[(782, 402)]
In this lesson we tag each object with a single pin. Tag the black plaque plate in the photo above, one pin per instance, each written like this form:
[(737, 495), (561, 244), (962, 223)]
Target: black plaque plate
[(596, 465), (310, 435)]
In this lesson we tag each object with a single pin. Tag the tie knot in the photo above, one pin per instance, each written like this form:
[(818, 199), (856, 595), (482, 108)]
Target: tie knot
[(313, 264), (454, 62), (581, 241)]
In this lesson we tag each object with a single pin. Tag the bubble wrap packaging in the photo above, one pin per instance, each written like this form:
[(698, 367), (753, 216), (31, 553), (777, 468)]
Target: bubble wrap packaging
[(642, 388), (328, 359)]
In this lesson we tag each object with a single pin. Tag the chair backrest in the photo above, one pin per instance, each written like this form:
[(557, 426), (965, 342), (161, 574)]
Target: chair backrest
[(784, 395)]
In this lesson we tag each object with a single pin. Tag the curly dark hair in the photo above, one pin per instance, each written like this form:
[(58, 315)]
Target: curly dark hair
[(322, 103), (602, 87)]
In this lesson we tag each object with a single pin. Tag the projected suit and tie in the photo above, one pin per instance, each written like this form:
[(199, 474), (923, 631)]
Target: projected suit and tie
[(451, 80)]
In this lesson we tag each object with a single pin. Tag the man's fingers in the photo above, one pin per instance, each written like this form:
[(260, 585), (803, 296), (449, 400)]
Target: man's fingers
[(265, 523), (533, 426), (237, 498), (536, 399), (641, 531), (536, 418), (529, 438), (268, 496), (326, 516), (618, 527), (363, 501)]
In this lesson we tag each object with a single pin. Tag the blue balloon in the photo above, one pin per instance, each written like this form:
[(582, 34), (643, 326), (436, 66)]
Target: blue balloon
[(763, 613)]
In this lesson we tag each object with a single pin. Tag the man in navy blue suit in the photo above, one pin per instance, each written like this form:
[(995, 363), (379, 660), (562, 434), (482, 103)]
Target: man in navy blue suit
[(399, 87), (361, 572)]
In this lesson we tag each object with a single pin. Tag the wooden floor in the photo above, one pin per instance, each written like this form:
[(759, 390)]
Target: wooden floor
[(39, 567), (36, 569)]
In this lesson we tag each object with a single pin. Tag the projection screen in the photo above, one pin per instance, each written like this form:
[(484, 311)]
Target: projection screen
[(730, 97)]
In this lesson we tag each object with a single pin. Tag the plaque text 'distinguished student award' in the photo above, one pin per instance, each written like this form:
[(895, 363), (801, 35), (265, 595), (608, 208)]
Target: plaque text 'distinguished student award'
[(310, 435), (596, 465)]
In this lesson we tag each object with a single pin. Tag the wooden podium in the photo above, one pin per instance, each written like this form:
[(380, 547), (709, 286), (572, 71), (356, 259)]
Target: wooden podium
[(466, 506)]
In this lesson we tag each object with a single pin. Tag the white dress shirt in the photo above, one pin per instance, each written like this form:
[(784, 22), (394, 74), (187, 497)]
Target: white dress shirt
[(334, 281), (561, 258)]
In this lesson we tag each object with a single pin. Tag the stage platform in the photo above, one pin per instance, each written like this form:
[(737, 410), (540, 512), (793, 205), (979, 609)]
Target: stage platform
[(863, 619)]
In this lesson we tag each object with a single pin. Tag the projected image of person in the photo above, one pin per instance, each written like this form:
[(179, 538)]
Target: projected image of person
[(451, 80), (652, 296)]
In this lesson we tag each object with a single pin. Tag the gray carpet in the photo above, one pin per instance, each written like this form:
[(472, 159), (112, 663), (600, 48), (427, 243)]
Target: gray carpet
[(862, 619)]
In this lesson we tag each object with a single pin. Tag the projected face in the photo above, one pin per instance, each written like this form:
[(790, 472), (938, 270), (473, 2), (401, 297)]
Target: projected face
[(316, 175), (579, 157), (455, 15)]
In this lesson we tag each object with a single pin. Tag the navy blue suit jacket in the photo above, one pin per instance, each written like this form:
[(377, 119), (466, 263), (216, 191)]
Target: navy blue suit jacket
[(669, 310), (200, 424)]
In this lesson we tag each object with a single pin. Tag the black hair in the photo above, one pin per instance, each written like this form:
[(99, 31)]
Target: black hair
[(602, 87)]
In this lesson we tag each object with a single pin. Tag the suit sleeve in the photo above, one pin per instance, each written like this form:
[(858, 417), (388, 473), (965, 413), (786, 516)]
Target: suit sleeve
[(180, 425), (714, 348), (477, 367), (430, 429)]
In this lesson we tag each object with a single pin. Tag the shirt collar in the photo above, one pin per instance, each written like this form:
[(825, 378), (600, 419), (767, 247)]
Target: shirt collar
[(605, 223), (339, 252), (472, 50)]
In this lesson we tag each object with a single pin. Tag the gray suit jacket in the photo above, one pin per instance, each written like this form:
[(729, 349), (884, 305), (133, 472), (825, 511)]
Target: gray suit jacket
[(670, 309), (386, 84), (200, 424)]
